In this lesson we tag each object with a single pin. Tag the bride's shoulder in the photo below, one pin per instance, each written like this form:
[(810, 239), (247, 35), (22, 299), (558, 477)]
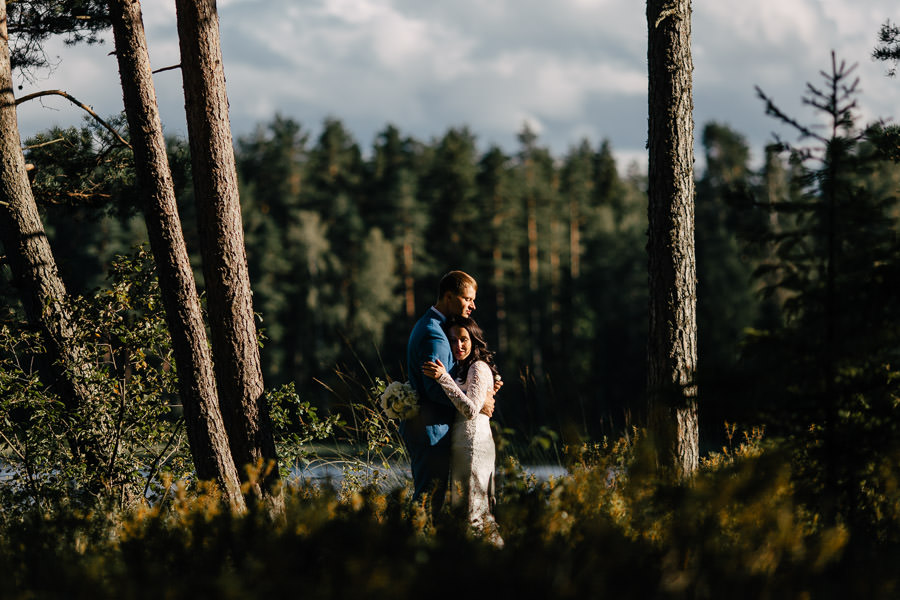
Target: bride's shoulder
[(481, 367)]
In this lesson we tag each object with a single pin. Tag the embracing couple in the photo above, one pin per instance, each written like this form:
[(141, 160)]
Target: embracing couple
[(450, 440)]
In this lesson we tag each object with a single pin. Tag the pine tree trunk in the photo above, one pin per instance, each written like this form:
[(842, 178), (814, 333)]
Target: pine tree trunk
[(555, 286), (28, 253), (567, 319), (672, 345), (533, 286), (232, 325), (497, 222), (574, 240), (409, 293), (196, 380)]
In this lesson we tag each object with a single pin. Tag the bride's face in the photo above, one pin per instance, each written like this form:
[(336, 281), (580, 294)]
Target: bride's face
[(460, 342)]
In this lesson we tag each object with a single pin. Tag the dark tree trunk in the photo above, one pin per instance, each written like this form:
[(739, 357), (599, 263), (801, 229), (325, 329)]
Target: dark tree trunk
[(537, 357), (31, 260), (672, 344), (232, 325), (497, 223), (196, 380), (409, 282)]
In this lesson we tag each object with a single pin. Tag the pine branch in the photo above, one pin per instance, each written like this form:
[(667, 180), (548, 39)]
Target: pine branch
[(773, 110)]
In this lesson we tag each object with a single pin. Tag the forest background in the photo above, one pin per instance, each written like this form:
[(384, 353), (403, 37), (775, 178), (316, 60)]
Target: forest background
[(345, 246), (345, 252)]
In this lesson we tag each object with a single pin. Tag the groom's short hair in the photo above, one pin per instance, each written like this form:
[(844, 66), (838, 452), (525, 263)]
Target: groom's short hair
[(456, 282)]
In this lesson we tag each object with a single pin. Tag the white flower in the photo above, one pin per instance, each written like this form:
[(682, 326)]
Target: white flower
[(400, 401)]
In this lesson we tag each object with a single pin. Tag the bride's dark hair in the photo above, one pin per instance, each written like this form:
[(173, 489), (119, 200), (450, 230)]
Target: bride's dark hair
[(479, 345)]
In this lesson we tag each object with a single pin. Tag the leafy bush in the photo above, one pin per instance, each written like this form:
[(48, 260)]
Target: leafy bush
[(609, 529), (130, 419)]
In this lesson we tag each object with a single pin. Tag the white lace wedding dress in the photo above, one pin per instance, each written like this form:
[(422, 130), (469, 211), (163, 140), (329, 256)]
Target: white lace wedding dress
[(472, 448)]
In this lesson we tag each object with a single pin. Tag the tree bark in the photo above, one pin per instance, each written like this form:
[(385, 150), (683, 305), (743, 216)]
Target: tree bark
[(197, 387), (409, 282), (28, 252), (574, 239), (672, 344), (497, 223), (537, 356), (232, 325)]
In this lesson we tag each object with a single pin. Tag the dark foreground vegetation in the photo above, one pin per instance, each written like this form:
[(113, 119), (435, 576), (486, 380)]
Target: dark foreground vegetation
[(609, 529)]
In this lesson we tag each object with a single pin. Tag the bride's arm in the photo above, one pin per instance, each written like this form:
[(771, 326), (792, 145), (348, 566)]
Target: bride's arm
[(479, 383)]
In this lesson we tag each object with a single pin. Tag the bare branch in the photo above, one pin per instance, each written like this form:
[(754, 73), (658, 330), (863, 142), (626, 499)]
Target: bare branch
[(773, 110), (41, 145), (78, 103), (178, 66), (12, 446)]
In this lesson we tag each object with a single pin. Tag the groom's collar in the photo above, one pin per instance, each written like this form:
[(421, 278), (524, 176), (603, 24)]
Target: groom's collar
[(439, 314)]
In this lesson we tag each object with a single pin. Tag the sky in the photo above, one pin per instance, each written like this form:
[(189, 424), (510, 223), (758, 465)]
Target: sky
[(570, 69)]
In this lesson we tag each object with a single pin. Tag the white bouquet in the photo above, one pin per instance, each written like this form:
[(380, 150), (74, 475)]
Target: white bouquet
[(400, 401)]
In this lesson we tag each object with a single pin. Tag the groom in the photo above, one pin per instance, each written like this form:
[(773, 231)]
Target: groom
[(427, 436)]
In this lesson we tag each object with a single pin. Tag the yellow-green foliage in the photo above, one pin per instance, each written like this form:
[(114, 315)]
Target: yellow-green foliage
[(610, 528)]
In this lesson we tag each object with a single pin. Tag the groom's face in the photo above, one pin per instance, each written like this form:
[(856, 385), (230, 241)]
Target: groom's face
[(462, 304)]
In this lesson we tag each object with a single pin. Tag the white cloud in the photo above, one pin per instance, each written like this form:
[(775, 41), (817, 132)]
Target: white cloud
[(853, 20), (159, 13), (762, 22), (571, 68)]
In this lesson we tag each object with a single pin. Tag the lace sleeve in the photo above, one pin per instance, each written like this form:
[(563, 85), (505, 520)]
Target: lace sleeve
[(479, 382)]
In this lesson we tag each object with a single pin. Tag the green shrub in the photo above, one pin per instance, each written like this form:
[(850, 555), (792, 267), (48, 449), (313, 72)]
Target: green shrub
[(608, 529), (130, 419)]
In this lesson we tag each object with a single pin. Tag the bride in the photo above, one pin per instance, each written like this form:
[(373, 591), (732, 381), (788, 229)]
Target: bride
[(472, 445)]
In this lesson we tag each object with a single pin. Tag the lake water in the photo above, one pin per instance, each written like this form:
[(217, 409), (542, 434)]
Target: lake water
[(393, 475), (333, 473)]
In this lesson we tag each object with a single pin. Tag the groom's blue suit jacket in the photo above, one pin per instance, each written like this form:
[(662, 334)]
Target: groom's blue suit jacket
[(429, 342)]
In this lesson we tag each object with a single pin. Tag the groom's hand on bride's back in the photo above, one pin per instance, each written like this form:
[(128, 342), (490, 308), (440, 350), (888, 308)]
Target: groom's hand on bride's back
[(488, 408)]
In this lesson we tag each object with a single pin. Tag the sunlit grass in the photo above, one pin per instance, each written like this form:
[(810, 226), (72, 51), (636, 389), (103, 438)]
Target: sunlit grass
[(610, 527), (604, 524)]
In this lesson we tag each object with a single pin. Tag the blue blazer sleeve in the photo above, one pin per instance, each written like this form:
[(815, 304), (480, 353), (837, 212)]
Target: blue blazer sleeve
[(434, 347), (428, 342)]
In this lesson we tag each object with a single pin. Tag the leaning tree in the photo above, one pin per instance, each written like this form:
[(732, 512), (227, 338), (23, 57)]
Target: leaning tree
[(27, 250), (197, 387), (232, 325)]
